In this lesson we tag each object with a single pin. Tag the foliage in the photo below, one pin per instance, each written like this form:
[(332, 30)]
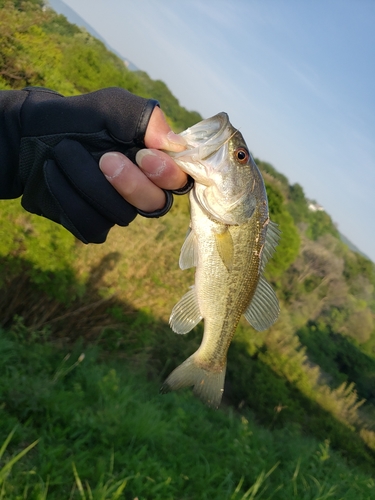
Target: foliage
[(292, 411), (38, 249), (316, 223), (316, 286), (271, 173), (356, 265), (180, 118), (339, 358), (41, 48), (283, 387), (7, 467), (288, 248), (320, 223), (298, 204), (103, 429)]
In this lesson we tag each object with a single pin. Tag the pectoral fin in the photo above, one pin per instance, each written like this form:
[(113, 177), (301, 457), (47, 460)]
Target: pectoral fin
[(185, 314), (225, 247), (189, 251), (264, 308)]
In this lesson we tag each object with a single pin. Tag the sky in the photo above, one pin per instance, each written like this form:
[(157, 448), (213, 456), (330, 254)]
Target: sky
[(297, 77)]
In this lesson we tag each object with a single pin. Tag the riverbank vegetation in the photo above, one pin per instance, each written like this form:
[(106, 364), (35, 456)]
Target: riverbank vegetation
[(85, 341)]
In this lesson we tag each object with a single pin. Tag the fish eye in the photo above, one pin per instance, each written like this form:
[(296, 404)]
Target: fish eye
[(242, 155)]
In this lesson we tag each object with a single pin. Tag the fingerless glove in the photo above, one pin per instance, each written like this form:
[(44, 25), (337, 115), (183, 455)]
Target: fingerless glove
[(50, 147)]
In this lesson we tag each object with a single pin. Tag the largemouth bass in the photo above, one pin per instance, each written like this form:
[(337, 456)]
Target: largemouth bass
[(230, 240)]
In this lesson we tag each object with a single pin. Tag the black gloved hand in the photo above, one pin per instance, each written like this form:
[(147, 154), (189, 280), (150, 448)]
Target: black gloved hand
[(60, 142)]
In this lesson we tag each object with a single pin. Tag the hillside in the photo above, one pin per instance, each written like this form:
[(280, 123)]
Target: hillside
[(62, 8), (352, 246), (73, 60), (298, 415)]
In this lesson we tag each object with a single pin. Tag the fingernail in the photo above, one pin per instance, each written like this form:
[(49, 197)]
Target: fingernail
[(176, 139), (111, 164), (151, 164)]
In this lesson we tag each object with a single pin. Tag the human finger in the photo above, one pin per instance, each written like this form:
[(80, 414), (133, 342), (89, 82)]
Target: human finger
[(159, 134), (161, 169), (132, 184)]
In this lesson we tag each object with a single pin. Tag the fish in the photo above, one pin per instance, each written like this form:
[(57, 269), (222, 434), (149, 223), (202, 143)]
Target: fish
[(229, 242)]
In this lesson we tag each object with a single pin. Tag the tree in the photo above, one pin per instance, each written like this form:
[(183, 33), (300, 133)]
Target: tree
[(297, 205), (289, 244), (320, 223)]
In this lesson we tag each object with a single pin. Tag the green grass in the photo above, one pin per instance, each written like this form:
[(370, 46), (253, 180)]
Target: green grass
[(102, 415), (94, 426), (104, 430)]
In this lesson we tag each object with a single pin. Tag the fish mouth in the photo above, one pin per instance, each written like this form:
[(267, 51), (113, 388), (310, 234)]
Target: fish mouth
[(204, 140), (207, 131), (206, 137)]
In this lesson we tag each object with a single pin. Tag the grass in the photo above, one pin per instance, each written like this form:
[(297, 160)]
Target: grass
[(119, 298), (80, 422), (104, 432)]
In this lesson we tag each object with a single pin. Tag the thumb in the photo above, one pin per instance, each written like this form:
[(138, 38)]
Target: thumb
[(159, 134)]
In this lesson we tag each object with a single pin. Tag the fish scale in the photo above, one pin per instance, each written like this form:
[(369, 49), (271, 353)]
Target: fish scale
[(229, 243)]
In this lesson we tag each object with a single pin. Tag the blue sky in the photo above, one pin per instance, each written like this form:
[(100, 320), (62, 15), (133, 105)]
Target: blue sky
[(297, 77)]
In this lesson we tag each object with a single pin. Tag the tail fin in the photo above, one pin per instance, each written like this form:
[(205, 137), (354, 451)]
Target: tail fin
[(208, 385)]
